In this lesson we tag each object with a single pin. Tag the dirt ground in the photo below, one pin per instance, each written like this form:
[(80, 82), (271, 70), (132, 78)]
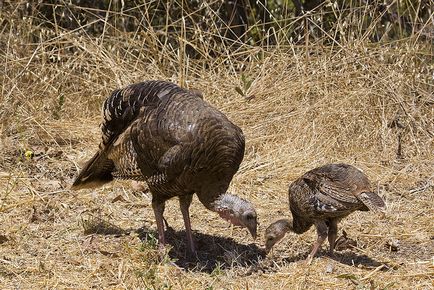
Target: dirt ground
[(299, 108), (52, 237)]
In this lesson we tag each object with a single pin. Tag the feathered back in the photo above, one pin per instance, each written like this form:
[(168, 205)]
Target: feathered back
[(157, 131), (124, 105), (332, 190), (119, 111)]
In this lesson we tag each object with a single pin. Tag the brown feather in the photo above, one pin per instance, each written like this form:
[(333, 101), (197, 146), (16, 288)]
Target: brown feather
[(175, 141), (95, 173), (322, 197), (372, 201)]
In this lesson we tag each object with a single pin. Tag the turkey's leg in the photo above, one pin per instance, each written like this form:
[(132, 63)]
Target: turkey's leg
[(333, 233), (158, 207), (321, 230), (184, 203)]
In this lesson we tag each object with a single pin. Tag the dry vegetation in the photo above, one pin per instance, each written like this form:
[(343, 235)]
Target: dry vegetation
[(300, 106)]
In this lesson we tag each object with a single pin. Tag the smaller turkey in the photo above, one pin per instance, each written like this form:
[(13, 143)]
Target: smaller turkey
[(169, 137), (322, 197)]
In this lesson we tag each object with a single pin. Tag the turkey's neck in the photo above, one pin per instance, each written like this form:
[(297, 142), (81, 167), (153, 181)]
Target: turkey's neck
[(300, 225)]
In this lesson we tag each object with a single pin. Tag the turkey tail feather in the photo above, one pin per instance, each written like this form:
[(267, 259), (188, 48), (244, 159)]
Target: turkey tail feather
[(95, 173)]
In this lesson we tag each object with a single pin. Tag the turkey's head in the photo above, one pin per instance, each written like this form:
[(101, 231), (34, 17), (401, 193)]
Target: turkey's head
[(238, 211), (275, 232)]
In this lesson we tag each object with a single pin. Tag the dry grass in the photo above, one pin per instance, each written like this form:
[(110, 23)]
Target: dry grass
[(299, 107)]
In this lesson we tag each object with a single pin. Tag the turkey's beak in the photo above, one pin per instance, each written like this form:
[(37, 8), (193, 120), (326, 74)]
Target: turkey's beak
[(267, 249), (252, 231)]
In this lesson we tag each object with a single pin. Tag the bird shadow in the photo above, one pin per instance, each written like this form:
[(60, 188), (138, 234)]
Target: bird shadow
[(353, 259), (213, 253), (217, 253), (345, 257)]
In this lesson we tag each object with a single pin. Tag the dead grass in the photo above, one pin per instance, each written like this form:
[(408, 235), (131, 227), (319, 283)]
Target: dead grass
[(299, 107)]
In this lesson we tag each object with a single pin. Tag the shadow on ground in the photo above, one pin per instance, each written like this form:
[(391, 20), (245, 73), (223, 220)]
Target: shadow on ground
[(213, 252), (274, 261), (216, 253), (346, 257), (354, 259)]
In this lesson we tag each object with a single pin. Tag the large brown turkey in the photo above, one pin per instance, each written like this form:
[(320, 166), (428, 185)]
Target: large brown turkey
[(171, 138), (322, 197)]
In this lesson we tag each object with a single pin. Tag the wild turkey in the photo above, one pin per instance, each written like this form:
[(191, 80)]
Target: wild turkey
[(171, 138), (322, 197)]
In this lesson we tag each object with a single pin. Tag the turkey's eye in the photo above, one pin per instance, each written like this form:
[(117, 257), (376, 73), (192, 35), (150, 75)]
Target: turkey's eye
[(269, 239)]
